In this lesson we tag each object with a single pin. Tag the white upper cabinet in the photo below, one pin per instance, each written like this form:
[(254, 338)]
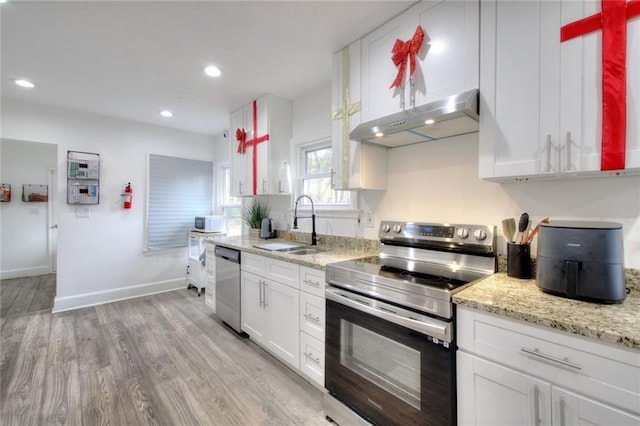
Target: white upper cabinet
[(519, 87), (446, 63), (267, 125), (540, 98), (355, 165)]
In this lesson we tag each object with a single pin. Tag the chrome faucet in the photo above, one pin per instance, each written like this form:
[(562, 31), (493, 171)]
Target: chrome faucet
[(314, 237)]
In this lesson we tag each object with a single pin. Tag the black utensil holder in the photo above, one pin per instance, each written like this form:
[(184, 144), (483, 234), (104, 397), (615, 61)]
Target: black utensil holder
[(519, 260)]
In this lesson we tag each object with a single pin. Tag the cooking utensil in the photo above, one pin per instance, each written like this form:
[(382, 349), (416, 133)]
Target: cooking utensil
[(535, 231), (509, 228), (523, 223)]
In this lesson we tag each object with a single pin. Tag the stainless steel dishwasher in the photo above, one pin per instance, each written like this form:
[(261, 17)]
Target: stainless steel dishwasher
[(228, 286)]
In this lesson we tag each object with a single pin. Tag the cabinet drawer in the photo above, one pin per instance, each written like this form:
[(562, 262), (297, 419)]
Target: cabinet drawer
[(595, 369), (253, 263), (283, 272), (312, 358), (312, 312), (312, 281)]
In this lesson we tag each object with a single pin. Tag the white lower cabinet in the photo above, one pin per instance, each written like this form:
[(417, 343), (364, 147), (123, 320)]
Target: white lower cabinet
[(269, 309), (491, 394), (511, 373), (312, 324)]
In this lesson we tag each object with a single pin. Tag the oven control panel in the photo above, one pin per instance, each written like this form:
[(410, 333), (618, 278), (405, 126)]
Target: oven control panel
[(455, 233)]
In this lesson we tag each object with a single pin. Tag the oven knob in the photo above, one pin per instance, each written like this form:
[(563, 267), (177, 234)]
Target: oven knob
[(386, 228), (397, 229), (480, 234), (463, 233)]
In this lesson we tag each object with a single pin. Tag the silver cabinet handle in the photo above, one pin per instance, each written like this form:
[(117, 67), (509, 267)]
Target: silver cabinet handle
[(548, 153), (264, 186), (333, 184), (563, 409), (240, 188), (312, 318), (536, 404), (402, 96), (568, 151), (312, 283), (310, 357), (412, 97), (260, 290), (564, 361), (280, 187), (264, 303)]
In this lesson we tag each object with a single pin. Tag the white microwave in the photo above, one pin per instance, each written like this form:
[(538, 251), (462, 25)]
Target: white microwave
[(210, 224)]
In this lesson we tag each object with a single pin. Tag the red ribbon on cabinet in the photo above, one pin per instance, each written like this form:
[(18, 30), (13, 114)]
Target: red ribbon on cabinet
[(243, 143), (404, 51), (612, 20)]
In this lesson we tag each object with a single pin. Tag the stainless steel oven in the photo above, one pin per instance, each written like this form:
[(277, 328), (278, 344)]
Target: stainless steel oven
[(390, 324)]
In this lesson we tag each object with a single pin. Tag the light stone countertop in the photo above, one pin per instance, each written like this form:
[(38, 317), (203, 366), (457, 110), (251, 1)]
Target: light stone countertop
[(335, 251), (519, 299)]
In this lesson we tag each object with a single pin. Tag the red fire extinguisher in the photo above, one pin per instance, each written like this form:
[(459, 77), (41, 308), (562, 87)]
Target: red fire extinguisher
[(127, 200)]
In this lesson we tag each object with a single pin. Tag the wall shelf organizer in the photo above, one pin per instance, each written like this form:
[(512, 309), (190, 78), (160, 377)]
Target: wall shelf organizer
[(83, 178)]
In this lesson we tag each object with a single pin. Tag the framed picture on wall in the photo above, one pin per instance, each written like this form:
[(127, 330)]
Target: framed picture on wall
[(5, 192), (35, 193)]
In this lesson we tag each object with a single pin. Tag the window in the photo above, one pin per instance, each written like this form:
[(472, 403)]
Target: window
[(230, 206), (315, 177), (179, 190)]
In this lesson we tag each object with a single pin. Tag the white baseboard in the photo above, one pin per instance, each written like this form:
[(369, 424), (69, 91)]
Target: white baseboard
[(61, 304), (25, 272)]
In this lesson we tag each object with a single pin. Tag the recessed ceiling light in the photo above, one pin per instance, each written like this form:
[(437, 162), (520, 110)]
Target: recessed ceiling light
[(166, 113), (379, 135), (429, 121), (25, 83), (212, 71)]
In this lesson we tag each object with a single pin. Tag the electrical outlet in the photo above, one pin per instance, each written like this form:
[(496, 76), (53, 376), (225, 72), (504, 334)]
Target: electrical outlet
[(368, 219)]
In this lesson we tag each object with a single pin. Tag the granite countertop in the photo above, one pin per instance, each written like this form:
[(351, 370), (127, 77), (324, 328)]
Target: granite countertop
[(519, 299), (335, 252)]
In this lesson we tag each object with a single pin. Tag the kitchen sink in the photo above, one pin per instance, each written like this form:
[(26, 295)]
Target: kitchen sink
[(300, 251), (306, 251)]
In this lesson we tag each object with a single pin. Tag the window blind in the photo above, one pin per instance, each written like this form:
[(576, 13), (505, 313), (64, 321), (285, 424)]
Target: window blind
[(179, 190)]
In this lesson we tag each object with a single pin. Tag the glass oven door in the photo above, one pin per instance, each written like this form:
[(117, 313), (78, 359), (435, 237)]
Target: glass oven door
[(387, 372)]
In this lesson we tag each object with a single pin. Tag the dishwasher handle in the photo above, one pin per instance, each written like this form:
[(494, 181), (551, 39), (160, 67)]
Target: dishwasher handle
[(228, 254)]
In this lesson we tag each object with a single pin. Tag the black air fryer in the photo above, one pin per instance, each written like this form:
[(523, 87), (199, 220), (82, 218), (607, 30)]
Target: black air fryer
[(581, 260)]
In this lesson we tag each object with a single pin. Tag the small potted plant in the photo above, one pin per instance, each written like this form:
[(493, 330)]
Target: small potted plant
[(253, 214)]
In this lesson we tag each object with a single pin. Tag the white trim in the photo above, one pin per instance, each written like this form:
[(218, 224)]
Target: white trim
[(100, 297), (25, 272)]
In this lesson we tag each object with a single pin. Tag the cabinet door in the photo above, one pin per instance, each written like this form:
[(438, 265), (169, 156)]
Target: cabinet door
[(253, 313), (378, 71), (580, 94), (573, 409), (490, 394), (633, 94), (312, 315), (240, 182), (281, 303), (452, 60), (312, 358), (519, 88), (261, 166)]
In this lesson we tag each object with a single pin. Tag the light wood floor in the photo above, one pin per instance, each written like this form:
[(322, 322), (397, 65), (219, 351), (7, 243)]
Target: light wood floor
[(19, 296), (157, 360)]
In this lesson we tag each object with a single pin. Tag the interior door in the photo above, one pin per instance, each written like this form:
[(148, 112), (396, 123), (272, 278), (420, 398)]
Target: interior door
[(52, 221)]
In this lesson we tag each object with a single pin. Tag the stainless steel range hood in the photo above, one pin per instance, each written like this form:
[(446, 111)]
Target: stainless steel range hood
[(452, 116)]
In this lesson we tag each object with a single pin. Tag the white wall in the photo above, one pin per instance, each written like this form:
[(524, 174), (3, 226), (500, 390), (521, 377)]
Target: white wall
[(25, 243), (438, 181), (100, 257)]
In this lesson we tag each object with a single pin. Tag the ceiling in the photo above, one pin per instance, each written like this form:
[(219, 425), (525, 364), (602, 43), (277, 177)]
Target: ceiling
[(133, 59)]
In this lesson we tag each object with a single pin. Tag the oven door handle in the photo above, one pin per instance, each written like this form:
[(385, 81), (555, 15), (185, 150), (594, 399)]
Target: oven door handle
[(431, 327)]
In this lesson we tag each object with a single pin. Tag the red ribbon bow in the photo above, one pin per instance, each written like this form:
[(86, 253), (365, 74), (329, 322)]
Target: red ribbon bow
[(403, 50), (241, 136)]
